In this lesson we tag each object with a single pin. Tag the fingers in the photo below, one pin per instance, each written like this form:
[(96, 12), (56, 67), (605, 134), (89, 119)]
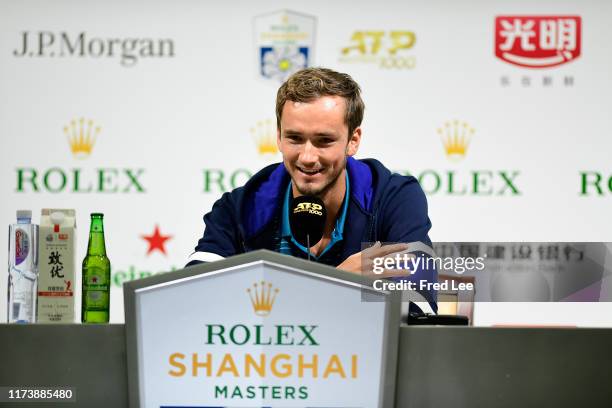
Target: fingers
[(379, 261), (382, 254), (378, 250)]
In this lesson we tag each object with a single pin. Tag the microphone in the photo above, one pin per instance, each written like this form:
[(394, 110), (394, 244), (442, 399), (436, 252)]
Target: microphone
[(307, 217)]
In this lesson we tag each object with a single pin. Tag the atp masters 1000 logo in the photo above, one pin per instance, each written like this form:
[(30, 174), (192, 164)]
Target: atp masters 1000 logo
[(385, 49)]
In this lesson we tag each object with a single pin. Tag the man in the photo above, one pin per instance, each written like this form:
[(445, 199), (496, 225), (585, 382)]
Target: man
[(319, 114)]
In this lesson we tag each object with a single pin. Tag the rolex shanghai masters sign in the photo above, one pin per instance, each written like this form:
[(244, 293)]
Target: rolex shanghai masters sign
[(260, 329)]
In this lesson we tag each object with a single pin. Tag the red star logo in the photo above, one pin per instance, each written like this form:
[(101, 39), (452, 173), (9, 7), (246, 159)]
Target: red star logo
[(156, 241)]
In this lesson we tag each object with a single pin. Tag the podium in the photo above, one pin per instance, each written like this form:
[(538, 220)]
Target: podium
[(401, 366), (261, 329)]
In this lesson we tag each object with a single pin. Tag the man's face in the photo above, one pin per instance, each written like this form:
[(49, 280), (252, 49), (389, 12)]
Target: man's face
[(314, 142)]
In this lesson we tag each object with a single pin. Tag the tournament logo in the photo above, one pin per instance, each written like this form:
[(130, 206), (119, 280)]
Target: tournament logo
[(284, 42), (537, 41), (386, 49), (246, 360)]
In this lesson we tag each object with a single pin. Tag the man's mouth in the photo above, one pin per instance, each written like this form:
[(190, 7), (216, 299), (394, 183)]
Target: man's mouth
[(309, 172)]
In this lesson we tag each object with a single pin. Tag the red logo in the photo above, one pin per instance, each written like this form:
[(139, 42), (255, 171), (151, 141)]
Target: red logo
[(156, 241), (537, 41)]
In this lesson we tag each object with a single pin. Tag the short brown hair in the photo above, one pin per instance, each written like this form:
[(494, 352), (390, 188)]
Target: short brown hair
[(312, 83)]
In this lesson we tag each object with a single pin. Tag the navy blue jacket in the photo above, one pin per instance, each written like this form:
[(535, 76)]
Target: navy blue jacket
[(383, 207)]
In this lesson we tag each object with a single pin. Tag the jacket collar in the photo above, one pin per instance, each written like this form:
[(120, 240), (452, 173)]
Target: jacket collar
[(264, 193)]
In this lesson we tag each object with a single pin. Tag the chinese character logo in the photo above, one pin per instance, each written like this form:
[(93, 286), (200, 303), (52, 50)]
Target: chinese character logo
[(56, 265), (284, 43), (537, 41)]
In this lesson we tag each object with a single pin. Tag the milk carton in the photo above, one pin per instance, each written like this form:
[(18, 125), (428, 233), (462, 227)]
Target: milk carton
[(57, 252)]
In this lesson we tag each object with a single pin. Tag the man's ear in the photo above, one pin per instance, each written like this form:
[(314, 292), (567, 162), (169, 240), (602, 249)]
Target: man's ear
[(353, 143), (278, 137)]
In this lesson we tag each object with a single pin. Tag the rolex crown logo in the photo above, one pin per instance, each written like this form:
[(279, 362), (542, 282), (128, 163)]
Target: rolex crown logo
[(262, 297), (456, 138), (81, 136), (264, 134)]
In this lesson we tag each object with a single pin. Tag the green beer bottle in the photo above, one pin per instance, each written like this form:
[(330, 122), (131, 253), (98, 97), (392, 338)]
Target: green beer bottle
[(96, 276)]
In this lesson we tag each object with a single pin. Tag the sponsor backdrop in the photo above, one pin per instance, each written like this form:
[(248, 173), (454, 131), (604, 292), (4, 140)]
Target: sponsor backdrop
[(148, 112)]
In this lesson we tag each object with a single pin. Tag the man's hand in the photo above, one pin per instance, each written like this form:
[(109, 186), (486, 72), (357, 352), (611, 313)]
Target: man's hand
[(362, 262)]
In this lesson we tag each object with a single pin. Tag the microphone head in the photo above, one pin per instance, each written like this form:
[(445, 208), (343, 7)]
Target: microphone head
[(307, 216)]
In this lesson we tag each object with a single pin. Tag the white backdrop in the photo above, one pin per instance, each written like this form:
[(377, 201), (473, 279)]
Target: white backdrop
[(191, 104)]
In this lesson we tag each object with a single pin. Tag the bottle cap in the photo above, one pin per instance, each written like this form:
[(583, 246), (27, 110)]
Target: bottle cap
[(97, 215), (57, 217), (24, 214)]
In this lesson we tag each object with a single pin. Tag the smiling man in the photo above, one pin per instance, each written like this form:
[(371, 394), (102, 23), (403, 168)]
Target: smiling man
[(319, 114)]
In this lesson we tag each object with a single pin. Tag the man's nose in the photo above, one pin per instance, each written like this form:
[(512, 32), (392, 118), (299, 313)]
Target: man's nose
[(309, 155)]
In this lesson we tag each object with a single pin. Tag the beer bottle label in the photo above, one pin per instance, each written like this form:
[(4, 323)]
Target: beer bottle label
[(96, 299), (96, 288)]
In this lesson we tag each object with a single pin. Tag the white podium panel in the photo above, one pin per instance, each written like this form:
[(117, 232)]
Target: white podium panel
[(261, 329)]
